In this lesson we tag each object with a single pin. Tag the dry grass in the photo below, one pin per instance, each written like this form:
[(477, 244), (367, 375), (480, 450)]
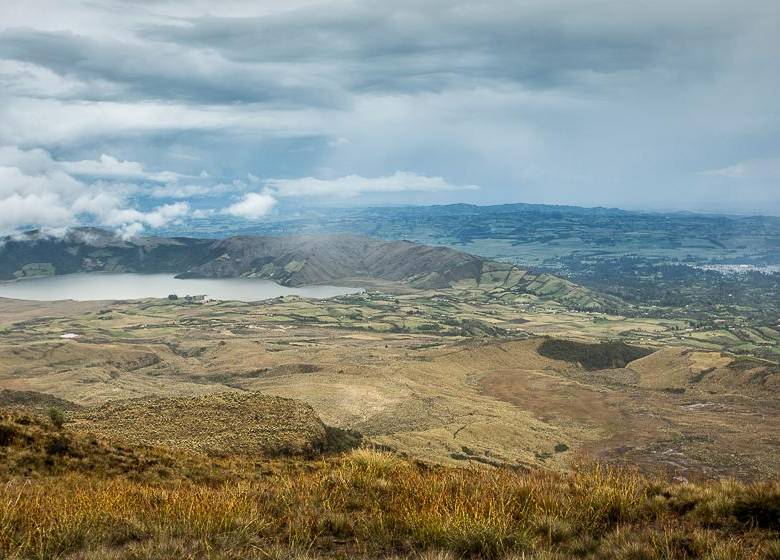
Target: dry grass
[(89, 500), (371, 504), (220, 423)]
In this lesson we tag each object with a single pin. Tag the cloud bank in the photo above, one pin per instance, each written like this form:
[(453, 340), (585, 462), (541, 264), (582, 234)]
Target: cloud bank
[(254, 206), (332, 101), (355, 185), (39, 191)]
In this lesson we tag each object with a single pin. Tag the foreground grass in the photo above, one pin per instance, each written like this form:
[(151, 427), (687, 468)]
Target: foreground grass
[(377, 505), (66, 495)]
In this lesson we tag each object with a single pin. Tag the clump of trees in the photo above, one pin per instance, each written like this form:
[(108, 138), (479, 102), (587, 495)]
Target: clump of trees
[(602, 355)]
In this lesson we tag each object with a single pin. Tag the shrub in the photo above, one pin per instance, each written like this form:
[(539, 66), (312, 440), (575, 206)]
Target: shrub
[(759, 509), (553, 529), (58, 445), (7, 435), (772, 550), (57, 417)]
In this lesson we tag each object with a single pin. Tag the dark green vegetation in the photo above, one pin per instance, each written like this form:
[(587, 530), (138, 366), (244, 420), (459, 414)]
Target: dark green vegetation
[(706, 297), (91, 249), (602, 355), (73, 495)]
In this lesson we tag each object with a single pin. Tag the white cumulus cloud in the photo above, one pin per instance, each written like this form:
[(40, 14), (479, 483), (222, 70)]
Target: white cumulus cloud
[(38, 191), (108, 166), (253, 206)]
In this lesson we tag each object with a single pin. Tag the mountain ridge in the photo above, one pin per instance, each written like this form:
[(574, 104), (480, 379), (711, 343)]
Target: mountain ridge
[(287, 260)]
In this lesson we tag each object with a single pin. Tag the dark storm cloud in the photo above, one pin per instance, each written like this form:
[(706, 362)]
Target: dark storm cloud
[(409, 47), (159, 71), (316, 56)]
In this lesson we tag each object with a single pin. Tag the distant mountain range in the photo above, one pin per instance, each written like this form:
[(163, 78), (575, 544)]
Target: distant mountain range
[(530, 235)]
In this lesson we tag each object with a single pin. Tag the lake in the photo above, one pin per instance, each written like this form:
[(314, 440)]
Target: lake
[(96, 286)]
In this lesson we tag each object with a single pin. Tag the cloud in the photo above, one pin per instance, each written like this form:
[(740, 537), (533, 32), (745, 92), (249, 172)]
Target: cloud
[(107, 166), (206, 189), (565, 101), (749, 169), (29, 79), (42, 209), (253, 206), (428, 46), (181, 191), (102, 69), (38, 191), (53, 122), (353, 185)]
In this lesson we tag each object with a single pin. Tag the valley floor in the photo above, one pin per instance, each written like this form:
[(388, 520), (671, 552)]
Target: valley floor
[(453, 393)]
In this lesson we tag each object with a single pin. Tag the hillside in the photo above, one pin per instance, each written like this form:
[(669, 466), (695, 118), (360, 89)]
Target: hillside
[(411, 373), (67, 495), (33, 400), (290, 261), (684, 369), (224, 423), (301, 260), (712, 269)]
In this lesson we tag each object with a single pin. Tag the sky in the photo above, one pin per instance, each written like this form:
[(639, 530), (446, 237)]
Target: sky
[(137, 115)]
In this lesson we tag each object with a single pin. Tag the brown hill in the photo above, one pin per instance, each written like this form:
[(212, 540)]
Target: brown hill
[(34, 400), (710, 372), (304, 260), (217, 424)]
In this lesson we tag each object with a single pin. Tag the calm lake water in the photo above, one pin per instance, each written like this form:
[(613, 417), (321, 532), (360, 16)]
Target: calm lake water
[(95, 286)]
